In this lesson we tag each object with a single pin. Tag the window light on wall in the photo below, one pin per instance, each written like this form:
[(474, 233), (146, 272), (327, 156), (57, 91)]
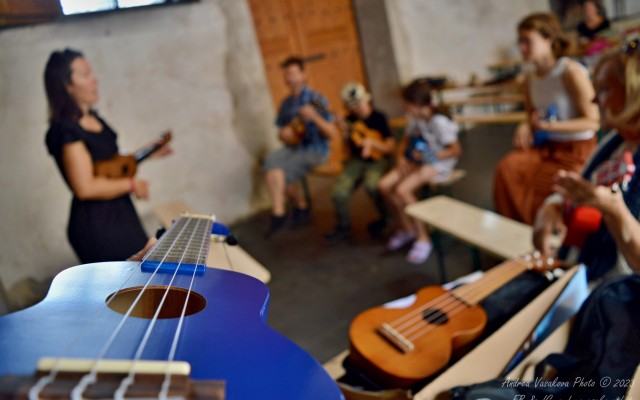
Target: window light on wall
[(85, 6)]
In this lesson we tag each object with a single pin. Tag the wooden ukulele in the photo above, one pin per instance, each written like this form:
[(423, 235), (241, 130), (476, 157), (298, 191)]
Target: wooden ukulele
[(299, 127), (400, 347), (358, 131), (123, 166), (166, 327)]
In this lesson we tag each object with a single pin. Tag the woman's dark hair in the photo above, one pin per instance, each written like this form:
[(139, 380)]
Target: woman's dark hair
[(419, 92), (57, 75), (599, 6), (548, 25)]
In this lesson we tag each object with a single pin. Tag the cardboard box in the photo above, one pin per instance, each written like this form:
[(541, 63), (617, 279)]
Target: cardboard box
[(488, 360)]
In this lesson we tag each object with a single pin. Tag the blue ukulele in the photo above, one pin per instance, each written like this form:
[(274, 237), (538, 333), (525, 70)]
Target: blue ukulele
[(165, 328)]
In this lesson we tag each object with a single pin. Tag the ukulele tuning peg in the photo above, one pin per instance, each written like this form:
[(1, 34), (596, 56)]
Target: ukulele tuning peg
[(160, 232)]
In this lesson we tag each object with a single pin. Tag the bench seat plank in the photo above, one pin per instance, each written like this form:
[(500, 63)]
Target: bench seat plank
[(499, 236)]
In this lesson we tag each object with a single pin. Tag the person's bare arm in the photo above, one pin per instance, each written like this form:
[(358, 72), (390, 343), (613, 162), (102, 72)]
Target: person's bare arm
[(78, 167), (327, 128), (582, 93)]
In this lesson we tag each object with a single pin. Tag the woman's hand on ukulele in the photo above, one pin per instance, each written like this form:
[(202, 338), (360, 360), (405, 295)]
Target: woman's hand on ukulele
[(575, 188), (163, 151), (141, 189), (140, 255), (581, 192), (549, 228)]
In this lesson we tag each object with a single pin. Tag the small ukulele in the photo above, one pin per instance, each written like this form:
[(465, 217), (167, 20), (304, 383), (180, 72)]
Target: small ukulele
[(418, 150), (164, 328), (123, 166), (358, 131), (401, 347), (298, 125)]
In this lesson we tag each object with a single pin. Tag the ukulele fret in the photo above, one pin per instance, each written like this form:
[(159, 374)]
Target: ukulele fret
[(185, 246), (396, 338)]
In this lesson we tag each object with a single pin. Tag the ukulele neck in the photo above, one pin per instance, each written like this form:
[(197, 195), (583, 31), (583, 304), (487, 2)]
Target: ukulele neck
[(474, 293), (184, 247)]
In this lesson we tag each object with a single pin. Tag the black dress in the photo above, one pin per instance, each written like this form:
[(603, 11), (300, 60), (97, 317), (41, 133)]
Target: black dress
[(98, 230)]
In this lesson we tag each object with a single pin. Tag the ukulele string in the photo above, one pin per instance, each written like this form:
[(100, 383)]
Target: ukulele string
[(462, 306), (453, 299), (87, 379), (126, 382), (444, 298), (447, 301), (166, 384), (34, 391), (455, 307)]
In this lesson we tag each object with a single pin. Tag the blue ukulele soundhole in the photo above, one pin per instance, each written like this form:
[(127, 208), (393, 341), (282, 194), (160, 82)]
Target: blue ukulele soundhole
[(149, 300)]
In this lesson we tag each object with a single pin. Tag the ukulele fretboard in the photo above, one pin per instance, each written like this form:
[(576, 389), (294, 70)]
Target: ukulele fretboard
[(185, 246)]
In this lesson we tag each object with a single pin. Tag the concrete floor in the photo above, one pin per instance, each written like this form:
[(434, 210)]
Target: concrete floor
[(316, 290)]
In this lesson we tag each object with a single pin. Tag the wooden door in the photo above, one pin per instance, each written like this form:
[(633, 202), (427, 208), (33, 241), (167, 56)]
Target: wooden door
[(323, 32)]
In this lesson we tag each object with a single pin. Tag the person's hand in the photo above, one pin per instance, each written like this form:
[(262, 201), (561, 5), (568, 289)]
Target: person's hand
[(575, 188), (403, 165), (523, 137), (581, 192), (308, 112), (163, 151), (140, 255), (286, 134), (341, 123), (537, 121), (367, 146), (549, 228), (141, 189)]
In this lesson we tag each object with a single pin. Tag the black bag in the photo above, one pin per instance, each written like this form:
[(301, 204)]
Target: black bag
[(599, 360)]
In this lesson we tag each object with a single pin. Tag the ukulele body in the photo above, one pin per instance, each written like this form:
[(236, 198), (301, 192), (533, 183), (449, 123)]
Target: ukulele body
[(227, 340), (298, 126), (454, 324), (360, 131), (120, 166)]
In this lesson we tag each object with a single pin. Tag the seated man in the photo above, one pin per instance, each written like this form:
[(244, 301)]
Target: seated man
[(370, 142), (305, 126)]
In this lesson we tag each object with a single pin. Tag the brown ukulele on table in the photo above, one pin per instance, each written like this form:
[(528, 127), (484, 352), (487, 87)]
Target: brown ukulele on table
[(123, 166), (358, 131), (299, 127), (399, 347)]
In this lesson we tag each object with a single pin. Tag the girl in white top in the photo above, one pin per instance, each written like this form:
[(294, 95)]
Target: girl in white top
[(561, 125), (428, 153)]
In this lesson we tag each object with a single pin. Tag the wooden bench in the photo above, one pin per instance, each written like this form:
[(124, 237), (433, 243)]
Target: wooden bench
[(221, 255), (484, 230), (513, 117)]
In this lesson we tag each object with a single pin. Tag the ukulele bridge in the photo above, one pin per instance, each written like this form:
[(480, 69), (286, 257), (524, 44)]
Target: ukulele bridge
[(149, 380), (396, 338)]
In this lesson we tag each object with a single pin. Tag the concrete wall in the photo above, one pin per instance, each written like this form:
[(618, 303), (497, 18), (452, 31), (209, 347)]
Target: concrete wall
[(195, 69), (456, 38)]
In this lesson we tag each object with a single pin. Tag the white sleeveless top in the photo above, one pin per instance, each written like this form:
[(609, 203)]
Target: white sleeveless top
[(549, 90)]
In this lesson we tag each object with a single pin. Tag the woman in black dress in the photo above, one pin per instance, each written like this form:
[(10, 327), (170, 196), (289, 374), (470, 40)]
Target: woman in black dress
[(103, 223)]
